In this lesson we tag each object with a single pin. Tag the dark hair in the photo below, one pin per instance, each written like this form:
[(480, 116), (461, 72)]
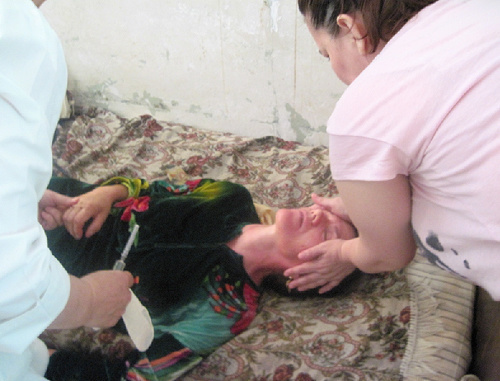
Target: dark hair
[(382, 18), (278, 283)]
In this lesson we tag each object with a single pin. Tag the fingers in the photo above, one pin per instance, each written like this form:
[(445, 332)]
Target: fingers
[(75, 219), (95, 226), (321, 268), (331, 204), (318, 200), (334, 205), (129, 279), (47, 220), (306, 276), (72, 219), (326, 280), (307, 282), (51, 208), (111, 295), (91, 209), (64, 202), (314, 252), (72, 201), (308, 257), (328, 286), (293, 272)]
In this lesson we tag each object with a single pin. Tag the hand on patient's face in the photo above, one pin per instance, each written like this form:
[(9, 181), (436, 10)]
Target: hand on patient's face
[(322, 267), (303, 228), (335, 205), (52, 207), (91, 206)]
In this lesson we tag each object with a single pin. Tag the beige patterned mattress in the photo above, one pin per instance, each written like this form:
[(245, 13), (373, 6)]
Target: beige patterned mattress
[(413, 324)]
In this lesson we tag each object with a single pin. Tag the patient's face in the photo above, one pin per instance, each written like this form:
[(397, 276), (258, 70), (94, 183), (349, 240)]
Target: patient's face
[(300, 229)]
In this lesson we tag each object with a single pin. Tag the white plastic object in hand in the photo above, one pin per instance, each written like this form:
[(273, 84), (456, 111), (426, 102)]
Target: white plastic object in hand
[(138, 323)]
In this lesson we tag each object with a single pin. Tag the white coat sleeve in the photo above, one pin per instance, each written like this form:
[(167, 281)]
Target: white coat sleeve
[(34, 287)]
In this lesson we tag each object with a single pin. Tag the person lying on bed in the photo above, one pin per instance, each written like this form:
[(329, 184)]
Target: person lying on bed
[(201, 256)]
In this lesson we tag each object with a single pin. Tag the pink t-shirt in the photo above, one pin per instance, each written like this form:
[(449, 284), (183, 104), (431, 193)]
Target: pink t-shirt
[(428, 107)]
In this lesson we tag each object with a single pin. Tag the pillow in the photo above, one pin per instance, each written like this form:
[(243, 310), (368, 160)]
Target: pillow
[(439, 343)]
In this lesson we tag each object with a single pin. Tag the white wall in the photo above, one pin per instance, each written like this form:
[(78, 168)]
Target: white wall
[(248, 67)]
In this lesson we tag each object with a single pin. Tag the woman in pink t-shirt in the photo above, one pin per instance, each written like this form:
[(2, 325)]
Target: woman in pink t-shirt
[(414, 140)]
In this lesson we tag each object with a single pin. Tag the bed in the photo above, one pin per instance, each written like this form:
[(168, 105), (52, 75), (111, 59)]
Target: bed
[(412, 324)]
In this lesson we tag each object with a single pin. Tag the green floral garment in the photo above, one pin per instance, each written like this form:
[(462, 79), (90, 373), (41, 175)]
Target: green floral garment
[(195, 288)]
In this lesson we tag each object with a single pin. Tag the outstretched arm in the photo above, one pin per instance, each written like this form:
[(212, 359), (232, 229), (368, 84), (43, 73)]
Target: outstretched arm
[(381, 212)]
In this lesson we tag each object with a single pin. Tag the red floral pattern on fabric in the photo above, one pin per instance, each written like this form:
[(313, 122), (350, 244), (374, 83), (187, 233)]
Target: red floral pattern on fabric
[(252, 301), (140, 204)]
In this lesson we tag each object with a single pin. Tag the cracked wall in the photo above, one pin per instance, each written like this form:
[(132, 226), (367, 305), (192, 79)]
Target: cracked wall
[(247, 67)]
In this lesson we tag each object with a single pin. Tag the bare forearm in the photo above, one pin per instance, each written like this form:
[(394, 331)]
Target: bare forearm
[(381, 211), (114, 193), (77, 309), (381, 257), (98, 299)]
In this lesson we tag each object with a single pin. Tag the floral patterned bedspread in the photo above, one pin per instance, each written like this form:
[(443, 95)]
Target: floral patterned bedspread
[(359, 336)]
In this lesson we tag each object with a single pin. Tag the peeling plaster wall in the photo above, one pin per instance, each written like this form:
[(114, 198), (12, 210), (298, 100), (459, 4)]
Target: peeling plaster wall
[(248, 67)]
